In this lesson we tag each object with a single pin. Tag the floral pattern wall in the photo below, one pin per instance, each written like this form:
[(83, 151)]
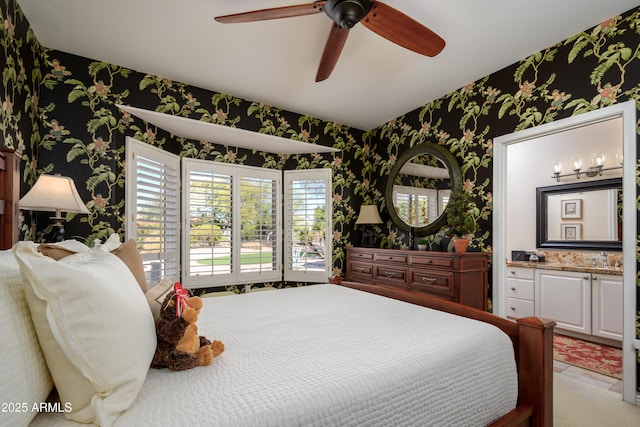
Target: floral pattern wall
[(59, 111)]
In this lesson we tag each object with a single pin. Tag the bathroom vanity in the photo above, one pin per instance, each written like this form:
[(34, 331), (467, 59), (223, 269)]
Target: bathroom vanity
[(584, 301)]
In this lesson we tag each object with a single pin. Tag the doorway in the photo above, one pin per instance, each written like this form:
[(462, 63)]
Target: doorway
[(626, 111)]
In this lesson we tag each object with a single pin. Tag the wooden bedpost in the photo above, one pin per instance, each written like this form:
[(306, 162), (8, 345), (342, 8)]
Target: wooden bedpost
[(9, 196), (536, 356)]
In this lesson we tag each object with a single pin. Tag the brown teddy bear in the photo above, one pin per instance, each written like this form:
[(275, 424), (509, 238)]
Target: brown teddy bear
[(179, 346)]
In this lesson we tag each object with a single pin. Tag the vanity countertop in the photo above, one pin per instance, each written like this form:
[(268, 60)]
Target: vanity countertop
[(566, 267)]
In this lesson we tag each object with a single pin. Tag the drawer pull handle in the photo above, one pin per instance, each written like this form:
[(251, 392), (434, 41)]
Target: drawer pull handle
[(389, 273), (513, 308), (513, 272), (359, 269), (513, 288), (429, 280)]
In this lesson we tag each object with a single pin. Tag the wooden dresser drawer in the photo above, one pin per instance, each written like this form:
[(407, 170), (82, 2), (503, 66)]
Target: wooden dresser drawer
[(520, 288), (391, 257), (426, 280), (355, 255), (360, 272), (391, 275), (517, 308), (431, 261)]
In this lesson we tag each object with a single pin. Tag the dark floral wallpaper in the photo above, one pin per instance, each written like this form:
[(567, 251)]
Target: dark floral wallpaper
[(59, 111)]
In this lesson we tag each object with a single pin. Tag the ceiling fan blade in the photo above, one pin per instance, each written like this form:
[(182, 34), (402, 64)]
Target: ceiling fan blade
[(332, 50), (402, 30), (273, 13)]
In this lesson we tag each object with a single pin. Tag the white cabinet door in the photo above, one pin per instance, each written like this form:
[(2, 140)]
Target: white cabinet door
[(607, 306), (565, 297)]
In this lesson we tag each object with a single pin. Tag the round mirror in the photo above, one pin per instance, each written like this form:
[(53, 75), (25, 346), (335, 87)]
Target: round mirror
[(419, 187)]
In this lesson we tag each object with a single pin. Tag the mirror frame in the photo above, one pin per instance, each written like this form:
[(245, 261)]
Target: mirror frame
[(542, 194), (455, 178)]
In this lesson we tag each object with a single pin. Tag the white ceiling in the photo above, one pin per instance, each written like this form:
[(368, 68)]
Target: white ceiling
[(275, 61)]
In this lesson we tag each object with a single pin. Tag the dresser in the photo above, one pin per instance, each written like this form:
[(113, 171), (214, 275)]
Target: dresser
[(458, 277)]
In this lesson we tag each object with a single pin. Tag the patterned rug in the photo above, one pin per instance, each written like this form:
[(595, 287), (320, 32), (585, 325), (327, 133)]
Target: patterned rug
[(594, 357)]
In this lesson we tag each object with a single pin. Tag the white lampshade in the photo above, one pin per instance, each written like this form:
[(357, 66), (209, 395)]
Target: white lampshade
[(369, 215), (53, 194)]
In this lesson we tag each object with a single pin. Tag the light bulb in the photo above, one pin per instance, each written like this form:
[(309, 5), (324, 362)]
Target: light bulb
[(576, 163), (598, 159)]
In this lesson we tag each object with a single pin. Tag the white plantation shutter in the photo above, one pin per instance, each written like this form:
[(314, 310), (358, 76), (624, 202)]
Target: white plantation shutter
[(231, 220), (152, 210), (232, 223), (308, 225), (259, 239), (210, 222)]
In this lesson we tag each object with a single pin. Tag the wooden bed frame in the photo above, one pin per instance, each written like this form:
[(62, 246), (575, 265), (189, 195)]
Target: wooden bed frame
[(532, 337), (9, 197)]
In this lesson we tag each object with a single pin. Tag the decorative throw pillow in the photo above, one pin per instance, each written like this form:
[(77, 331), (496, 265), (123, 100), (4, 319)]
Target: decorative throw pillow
[(127, 252), (156, 295), (94, 326), (60, 250)]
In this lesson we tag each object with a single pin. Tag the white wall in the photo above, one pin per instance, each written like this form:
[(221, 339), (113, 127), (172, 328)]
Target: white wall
[(530, 165)]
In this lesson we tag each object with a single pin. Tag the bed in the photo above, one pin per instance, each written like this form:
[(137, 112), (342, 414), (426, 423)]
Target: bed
[(349, 354)]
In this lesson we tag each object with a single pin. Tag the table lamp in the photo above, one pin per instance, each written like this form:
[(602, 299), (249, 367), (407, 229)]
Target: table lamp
[(54, 193), (368, 216)]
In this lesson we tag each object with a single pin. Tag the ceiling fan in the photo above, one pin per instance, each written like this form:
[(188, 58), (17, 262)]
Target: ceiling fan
[(378, 17)]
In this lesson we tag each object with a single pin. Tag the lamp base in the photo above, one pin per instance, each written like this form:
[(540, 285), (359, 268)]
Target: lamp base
[(369, 238), (57, 233)]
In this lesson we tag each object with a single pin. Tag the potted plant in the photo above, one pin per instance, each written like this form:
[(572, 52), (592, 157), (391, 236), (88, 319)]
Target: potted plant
[(459, 218), (422, 244)]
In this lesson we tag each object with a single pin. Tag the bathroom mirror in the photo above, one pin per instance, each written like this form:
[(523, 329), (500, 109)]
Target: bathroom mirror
[(584, 215), (419, 186)]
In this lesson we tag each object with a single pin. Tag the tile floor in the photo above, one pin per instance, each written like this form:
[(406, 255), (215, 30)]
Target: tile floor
[(590, 377)]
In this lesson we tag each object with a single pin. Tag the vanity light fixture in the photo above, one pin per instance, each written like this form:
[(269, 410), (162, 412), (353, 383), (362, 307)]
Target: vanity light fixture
[(596, 168)]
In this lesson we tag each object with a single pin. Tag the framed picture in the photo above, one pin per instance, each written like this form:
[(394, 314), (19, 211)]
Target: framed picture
[(571, 231), (572, 208)]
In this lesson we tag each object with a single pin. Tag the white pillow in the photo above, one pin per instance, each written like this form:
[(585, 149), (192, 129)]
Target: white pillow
[(25, 379), (94, 326)]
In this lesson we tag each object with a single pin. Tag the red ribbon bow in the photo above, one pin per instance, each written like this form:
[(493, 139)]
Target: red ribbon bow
[(181, 298)]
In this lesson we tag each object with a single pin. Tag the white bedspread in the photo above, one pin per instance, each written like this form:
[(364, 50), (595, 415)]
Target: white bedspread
[(325, 355)]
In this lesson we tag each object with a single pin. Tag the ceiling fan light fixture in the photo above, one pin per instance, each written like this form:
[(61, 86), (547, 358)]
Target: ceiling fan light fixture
[(347, 13)]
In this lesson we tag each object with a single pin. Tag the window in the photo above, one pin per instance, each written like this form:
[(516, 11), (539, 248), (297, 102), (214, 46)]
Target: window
[(420, 206), (308, 225), (152, 208), (231, 218), (232, 224)]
